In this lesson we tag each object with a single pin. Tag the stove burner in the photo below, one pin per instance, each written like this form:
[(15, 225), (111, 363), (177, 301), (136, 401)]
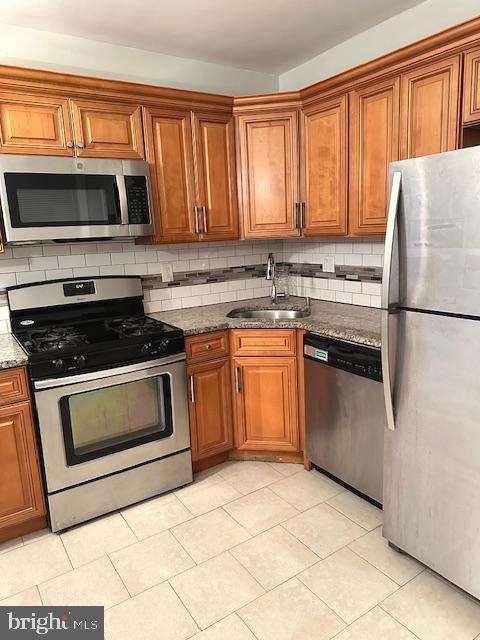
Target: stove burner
[(55, 339), (134, 325)]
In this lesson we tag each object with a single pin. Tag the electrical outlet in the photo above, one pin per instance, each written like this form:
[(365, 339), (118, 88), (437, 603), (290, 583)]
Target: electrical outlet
[(167, 272), (328, 264)]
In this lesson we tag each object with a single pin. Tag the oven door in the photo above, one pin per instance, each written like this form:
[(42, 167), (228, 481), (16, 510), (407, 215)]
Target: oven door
[(95, 424)]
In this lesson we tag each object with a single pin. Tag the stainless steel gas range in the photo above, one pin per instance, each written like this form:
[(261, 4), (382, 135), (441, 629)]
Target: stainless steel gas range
[(110, 394)]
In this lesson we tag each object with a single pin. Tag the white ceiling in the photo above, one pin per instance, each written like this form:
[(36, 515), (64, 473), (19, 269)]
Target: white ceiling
[(264, 35)]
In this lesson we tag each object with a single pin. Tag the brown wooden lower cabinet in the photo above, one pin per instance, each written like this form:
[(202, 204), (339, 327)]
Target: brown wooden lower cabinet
[(22, 507), (266, 403), (210, 408)]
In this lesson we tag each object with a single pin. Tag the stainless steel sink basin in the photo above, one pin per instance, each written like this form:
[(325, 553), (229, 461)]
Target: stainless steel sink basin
[(269, 314)]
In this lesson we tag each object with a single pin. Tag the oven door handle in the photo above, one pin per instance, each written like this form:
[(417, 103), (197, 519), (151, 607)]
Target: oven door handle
[(50, 383)]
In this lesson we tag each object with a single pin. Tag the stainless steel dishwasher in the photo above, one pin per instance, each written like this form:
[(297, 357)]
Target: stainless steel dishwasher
[(345, 412)]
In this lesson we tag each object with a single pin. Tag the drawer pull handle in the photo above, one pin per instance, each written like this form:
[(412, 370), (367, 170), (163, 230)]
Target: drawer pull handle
[(208, 347), (238, 386), (7, 387)]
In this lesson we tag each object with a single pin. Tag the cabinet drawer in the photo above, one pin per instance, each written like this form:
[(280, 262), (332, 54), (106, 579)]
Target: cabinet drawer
[(263, 342), (206, 346), (13, 386)]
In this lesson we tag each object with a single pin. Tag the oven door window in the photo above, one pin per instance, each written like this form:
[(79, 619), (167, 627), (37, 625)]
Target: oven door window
[(104, 421), (59, 200)]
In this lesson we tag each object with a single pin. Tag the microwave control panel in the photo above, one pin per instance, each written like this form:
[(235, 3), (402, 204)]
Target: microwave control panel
[(137, 199)]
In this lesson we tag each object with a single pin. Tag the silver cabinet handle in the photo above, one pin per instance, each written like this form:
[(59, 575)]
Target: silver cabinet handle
[(192, 389), (302, 215), (204, 211), (80, 145), (296, 214), (69, 144), (195, 213), (238, 387), (388, 310)]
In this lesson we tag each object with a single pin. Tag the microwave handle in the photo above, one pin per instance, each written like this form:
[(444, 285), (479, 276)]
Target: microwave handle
[(122, 198)]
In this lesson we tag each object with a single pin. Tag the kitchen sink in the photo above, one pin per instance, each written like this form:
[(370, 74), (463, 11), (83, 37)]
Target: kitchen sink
[(269, 314)]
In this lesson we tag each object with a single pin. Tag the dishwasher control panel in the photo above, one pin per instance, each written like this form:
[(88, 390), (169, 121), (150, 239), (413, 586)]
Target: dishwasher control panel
[(357, 359)]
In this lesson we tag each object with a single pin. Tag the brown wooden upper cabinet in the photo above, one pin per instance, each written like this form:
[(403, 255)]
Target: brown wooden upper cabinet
[(323, 168), (50, 125), (107, 129), (429, 108), (269, 173), (192, 167), (471, 87), (374, 143), (35, 124)]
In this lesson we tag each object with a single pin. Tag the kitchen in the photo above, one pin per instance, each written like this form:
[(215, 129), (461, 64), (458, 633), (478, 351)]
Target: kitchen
[(238, 324)]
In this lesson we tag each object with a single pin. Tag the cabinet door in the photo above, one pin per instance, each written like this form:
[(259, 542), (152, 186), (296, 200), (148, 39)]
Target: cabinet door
[(107, 130), (471, 87), (374, 142), (210, 408), (169, 151), (324, 168), (216, 176), (429, 111), (266, 404), (269, 171), (21, 496), (34, 124)]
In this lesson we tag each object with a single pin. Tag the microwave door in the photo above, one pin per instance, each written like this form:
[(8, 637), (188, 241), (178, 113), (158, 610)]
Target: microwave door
[(60, 206)]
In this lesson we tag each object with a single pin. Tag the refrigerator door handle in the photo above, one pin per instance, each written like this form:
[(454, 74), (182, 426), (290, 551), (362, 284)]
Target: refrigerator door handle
[(387, 348), (390, 237), (387, 369)]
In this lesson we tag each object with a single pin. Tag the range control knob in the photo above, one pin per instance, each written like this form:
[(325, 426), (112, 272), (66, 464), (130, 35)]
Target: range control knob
[(146, 347), (58, 364), (163, 344), (80, 361)]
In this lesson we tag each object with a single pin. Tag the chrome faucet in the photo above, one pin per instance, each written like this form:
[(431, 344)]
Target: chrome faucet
[(270, 275)]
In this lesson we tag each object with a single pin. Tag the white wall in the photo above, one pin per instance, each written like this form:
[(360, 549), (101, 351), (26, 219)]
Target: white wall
[(405, 28), (24, 47)]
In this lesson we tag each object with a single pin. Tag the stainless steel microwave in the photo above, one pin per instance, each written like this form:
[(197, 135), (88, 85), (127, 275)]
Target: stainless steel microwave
[(45, 199)]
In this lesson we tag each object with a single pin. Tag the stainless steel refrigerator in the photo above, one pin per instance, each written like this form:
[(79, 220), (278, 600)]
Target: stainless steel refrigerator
[(431, 363)]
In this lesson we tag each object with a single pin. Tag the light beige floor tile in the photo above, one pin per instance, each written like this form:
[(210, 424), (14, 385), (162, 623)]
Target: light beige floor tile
[(207, 496), (210, 534), (38, 535), (260, 510), (323, 529), (349, 585), (434, 610), (96, 583), (95, 539), (10, 545), (376, 625), (375, 549), (286, 468), (155, 515), (357, 509), (274, 556), (250, 476), (306, 489), (230, 628), (151, 561), (290, 612), (156, 614), (28, 598), (216, 588), (32, 563)]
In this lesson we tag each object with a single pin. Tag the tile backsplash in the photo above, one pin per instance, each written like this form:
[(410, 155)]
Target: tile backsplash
[(204, 274)]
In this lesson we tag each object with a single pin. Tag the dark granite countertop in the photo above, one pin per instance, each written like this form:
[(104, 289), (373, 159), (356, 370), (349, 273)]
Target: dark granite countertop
[(11, 353), (333, 319)]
